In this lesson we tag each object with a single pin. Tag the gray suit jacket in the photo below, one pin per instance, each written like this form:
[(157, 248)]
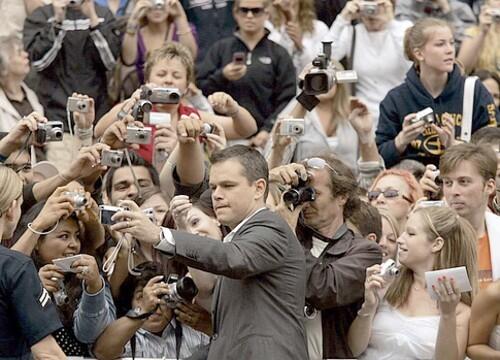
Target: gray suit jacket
[(258, 302)]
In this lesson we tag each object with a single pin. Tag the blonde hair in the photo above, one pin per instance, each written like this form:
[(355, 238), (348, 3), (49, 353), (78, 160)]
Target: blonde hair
[(416, 36), (393, 222), (171, 50), (11, 188), (459, 249), (306, 16)]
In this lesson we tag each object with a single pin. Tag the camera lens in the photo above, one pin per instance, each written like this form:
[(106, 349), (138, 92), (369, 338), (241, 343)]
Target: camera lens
[(186, 288), (57, 133), (174, 97)]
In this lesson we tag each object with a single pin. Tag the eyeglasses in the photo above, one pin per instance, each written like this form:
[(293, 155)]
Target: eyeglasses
[(388, 194), (19, 167), (318, 164), (255, 11)]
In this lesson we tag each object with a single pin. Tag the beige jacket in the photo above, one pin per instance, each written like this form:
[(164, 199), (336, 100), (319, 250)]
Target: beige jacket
[(9, 115)]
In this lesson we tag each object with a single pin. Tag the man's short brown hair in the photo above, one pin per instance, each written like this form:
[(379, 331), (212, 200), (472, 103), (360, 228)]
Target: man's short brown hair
[(482, 156)]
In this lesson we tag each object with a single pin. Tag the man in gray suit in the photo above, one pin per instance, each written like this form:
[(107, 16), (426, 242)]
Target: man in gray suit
[(258, 301)]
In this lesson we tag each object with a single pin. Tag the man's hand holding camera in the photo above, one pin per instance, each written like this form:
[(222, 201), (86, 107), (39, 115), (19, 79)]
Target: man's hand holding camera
[(88, 162), (136, 223), (152, 293)]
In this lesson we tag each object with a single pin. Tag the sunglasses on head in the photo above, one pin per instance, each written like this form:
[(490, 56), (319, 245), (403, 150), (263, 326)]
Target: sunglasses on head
[(318, 164), (388, 194), (255, 11)]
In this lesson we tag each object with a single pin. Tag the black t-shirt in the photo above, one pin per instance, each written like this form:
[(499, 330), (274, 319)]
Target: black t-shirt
[(27, 314), (23, 107)]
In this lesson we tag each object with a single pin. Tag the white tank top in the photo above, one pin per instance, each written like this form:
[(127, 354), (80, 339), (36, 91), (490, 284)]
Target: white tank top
[(495, 338), (396, 336)]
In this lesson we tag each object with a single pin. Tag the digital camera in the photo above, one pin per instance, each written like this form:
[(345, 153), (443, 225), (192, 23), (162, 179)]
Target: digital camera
[(106, 212), (323, 76), (368, 8), (290, 127), (389, 269), (427, 115), (239, 58), (79, 199), (77, 104), (112, 158), (49, 131), (60, 296), (206, 129), (181, 290), (495, 14), (299, 194), (431, 203), (137, 135), (158, 3), (161, 95)]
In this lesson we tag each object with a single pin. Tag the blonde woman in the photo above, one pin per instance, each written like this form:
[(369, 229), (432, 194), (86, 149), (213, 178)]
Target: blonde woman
[(391, 230), (327, 128), (21, 290), (433, 81), (294, 26), (406, 323), (480, 47)]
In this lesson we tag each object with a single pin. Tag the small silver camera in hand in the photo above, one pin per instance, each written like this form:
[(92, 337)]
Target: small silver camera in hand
[(106, 212), (206, 129), (368, 8), (49, 131), (137, 135), (77, 104), (389, 269), (60, 296), (112, 158), (161, 95), (292, 127), (158, 3), (79, 199), (495, 14), (427, 115)]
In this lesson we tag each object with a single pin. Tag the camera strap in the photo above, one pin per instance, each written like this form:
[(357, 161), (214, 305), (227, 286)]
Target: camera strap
[(468, 108), (136, 182), (350, 59), (178, 339)]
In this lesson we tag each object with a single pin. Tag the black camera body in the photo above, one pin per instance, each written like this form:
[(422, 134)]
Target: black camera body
[(49, 131), (323, 76), (299, 194), (181, 290)]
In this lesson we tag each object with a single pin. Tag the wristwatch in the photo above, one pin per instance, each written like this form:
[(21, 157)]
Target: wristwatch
[(137, 314)]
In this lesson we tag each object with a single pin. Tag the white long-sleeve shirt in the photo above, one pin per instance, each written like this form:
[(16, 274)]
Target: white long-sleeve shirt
[(378, 58), (311, 43)]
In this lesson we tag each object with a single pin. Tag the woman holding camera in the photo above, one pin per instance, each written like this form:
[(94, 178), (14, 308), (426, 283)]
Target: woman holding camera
[(294, 26), (480, 48), (399, 318), (152, 24), (373, 47), (63, 229), (434, 84), (172, 66)]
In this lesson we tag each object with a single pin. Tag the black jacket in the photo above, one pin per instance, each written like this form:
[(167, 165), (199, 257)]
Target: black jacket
[(71, 57), (411, 97), (266, 88)]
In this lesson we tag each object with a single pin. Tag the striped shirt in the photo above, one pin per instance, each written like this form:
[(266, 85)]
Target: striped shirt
[(149, 345)]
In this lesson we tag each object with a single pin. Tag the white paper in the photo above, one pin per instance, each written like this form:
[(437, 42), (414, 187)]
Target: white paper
[(65, 263), (157, 118), (459, 275)]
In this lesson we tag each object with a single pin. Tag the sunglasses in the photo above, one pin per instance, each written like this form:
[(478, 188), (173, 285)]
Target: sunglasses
[(255, 11), (318, 164), (388, 194)]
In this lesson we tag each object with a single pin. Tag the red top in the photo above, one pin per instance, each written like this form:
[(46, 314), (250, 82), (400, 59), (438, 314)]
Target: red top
[(146, 151)]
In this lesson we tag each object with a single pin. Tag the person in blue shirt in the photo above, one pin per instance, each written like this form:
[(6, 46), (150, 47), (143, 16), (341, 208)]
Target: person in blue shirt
[(434, 81)]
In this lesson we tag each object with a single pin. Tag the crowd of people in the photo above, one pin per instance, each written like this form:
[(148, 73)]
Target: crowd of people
[(250, 179)]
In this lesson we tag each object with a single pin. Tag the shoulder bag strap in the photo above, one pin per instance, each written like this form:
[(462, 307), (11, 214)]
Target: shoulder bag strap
[(468, 108)]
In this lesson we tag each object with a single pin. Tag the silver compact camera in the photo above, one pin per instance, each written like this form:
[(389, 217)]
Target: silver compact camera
[(60, 296), (292, 127), (389, 269), (368, 8), (73, 3), (495, 14), (79, 199), (427, 115), (77, 104), (137, 135), (112, 158), (150, 213), (158, 3), (161, 95), (206, 129), (106, 212), (49, 131)]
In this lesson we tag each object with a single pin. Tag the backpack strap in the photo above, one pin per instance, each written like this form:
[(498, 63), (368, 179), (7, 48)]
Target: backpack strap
[(468, 108)]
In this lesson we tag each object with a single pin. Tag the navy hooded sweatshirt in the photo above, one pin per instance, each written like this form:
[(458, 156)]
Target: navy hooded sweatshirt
[(411, 97)]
